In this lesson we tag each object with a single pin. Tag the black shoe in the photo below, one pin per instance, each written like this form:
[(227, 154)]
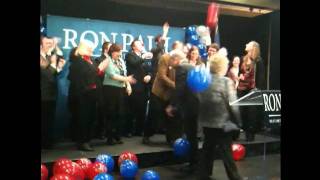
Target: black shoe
[(188, 168), (145, 140), (119, 142), (85, 147), (138, 134), (110, 142), (129, 135)]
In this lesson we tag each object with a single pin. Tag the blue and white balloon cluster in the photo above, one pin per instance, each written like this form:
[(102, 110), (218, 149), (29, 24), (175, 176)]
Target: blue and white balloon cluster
[(198, 36)]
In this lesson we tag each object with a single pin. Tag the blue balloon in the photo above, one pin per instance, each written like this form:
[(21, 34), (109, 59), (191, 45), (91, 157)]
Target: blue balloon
[(204, 56), (103, 176), (150, 175), (194, 40), (191, 30), (128, 169), (202, 48), (107, 160), (181, 147), (199, 79)]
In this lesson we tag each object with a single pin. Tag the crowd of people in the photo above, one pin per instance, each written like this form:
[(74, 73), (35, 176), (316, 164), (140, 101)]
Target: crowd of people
[(147, 93)]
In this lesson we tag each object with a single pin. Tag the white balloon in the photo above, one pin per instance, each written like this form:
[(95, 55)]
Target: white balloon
[(201, 30), (206, 40)]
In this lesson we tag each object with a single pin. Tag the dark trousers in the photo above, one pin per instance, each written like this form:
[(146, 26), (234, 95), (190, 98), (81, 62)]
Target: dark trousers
[(190, 128), (114, 108), (156, 115), (251, 118), (137, 102), (128, 117), (86, 115), (100, 115), (158, 119), (216, 141), (48, 110)]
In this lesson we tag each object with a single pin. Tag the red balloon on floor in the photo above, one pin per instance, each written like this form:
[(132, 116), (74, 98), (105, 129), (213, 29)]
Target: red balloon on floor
[(44, 172), (84, 163), (62, 177), (96, 168), (127, 156), (59, 164), (72, 169), (238, 151)]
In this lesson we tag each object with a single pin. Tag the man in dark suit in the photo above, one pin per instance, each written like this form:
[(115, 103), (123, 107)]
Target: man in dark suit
[(50, 66), (184, 104), (137, 100)]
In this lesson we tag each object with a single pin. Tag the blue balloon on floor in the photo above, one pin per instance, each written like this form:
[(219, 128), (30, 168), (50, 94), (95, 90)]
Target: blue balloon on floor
[(150, 175), (103, 176), (128, 169), (181, 147), (199, 79), (107, 160)]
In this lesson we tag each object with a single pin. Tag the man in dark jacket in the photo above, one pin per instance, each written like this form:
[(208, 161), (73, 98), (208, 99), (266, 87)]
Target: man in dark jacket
[(186, 104), (50, 66), (137, 100)]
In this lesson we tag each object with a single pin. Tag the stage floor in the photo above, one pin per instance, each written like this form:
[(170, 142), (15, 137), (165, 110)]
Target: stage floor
[(134, 144), (252, 168)]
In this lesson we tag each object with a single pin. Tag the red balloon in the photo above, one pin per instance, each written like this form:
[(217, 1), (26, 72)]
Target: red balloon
[(72, 169), (60, 163), (127, 156), (238, 151), (212, 15), (44, 172), (84, 163), (62, 177), (96, 168)]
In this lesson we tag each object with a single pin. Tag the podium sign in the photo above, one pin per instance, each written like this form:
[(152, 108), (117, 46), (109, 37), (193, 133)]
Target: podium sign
[(272, 107), (271, 102)]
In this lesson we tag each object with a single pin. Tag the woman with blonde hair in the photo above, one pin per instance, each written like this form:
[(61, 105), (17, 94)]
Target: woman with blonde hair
[(252, 76), (214, 113), (83, 74)]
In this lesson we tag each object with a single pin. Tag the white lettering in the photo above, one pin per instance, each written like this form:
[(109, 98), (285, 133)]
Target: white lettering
[(273, 103), (140, 39), (68, 38), (125, 42), (114, 37), (150, 42), (265, 99), (104, 37), (278, 102)]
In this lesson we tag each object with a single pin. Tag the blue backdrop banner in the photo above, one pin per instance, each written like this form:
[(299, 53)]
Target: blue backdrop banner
[(71, 31)]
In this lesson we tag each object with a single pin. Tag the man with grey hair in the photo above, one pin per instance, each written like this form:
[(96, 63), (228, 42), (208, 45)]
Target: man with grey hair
[(184, 106), (162, 89)]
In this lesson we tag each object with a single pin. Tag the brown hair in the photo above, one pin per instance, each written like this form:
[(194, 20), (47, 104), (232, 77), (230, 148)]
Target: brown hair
[(114, 48), (214, 46), (193, 48), (104, 46)]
